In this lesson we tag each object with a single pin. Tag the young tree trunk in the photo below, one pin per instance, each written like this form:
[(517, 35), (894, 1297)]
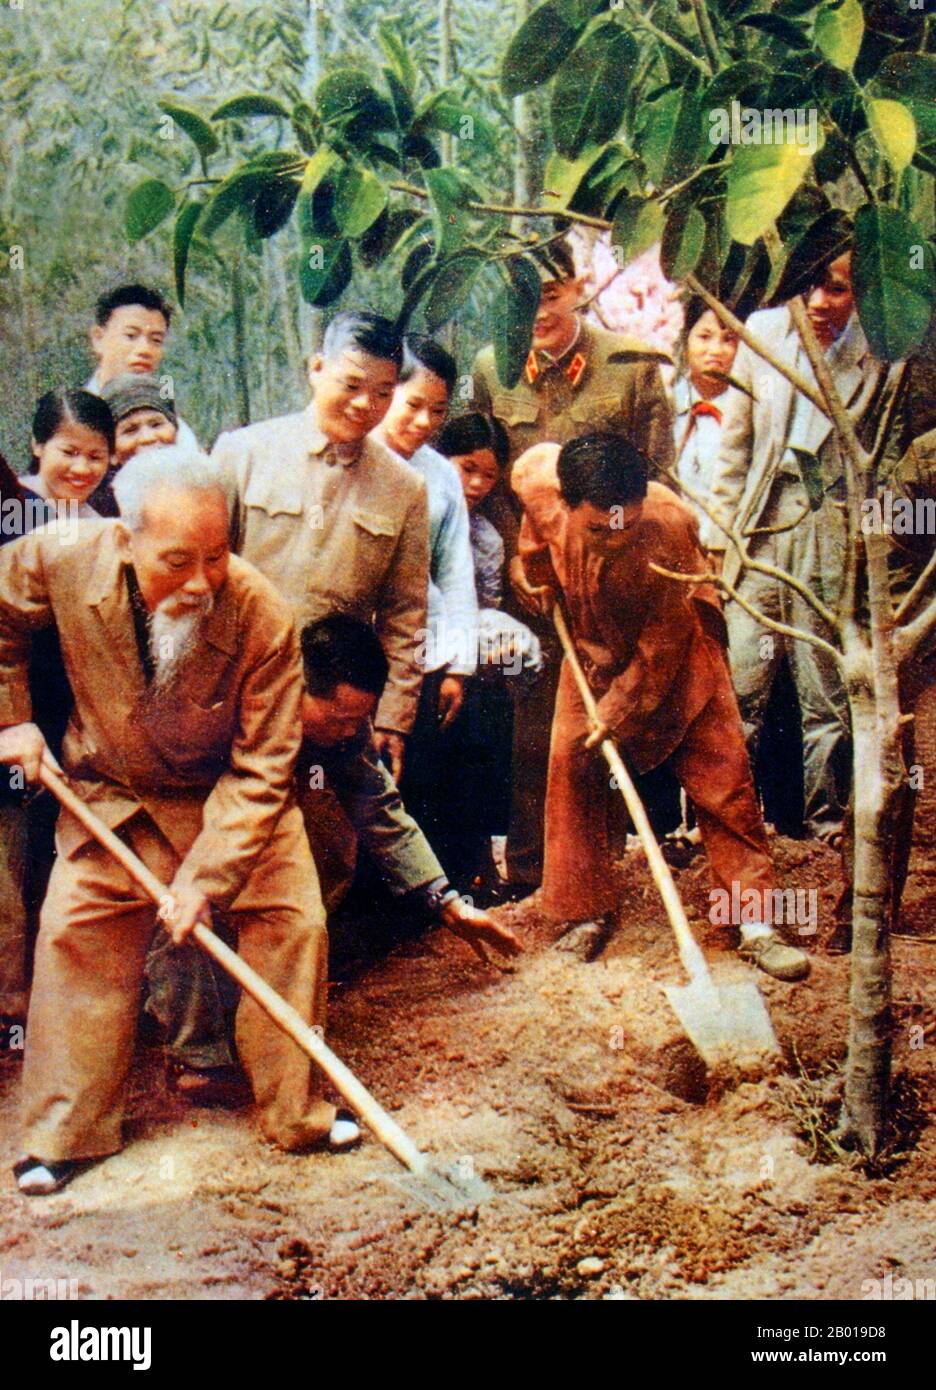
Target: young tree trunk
[(877, 790)]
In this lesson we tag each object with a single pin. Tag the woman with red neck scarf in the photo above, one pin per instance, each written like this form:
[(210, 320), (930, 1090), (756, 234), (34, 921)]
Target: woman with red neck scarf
[(705, 357)]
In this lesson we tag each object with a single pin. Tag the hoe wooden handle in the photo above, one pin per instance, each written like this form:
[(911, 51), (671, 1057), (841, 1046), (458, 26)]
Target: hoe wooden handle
[(283, 1015), (689, 952)]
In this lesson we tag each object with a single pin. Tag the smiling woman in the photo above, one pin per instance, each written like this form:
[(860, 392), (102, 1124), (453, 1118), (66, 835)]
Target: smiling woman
[(72, 443)]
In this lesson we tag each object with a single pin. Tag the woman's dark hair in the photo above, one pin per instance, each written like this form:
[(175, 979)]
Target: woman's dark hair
[(464, 434), (603, 469), (70, 407), (693, 309), (342, 651), (422, 352)]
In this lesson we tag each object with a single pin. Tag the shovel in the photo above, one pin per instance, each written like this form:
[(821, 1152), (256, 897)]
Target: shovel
[(728, 1023), (454, 1189)]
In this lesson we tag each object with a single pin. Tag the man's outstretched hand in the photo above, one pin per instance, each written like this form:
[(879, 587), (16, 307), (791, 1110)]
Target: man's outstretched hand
[(478, 929)]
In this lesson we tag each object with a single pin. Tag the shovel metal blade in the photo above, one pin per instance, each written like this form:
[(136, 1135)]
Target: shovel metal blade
[(442, 1191), (727, 1023)]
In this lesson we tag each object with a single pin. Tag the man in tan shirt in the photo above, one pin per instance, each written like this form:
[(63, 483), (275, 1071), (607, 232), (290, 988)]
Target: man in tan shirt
[(333, 518), (184, 666)]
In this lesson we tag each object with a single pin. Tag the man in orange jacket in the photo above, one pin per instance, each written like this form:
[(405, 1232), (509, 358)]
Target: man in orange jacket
[(653, 649)]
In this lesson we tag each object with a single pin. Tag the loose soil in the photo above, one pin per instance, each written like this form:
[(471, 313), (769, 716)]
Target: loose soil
[(617, 1168)]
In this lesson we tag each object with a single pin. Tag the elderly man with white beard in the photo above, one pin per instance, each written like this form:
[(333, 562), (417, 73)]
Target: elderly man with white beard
[(187, 683)]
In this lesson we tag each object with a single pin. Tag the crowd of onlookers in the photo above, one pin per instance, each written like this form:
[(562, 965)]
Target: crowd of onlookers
[(464, 721)]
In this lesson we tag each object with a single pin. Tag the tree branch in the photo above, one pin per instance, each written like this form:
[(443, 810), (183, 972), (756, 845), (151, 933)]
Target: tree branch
[(508, 210), (746, 336), (645, 23), (707, 34), (910, 600), (796, 633), (909, 637), (760, 566)]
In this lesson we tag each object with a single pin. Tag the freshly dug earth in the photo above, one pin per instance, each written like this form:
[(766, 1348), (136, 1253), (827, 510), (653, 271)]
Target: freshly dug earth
[(618, 1169)]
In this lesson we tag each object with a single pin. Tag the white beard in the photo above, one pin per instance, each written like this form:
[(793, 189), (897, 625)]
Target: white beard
[(173, 638)]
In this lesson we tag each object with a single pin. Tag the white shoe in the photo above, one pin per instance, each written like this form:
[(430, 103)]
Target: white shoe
[(37, 1179), (345, 1132)]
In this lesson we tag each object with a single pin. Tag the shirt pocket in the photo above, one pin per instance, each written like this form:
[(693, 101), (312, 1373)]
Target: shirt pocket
[(272, 518), (515, 410), (596, 412), (194, 739), (372, 542)]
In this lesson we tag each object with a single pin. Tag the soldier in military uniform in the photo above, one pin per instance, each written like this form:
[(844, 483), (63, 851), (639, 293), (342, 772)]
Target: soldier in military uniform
[(569, 387)]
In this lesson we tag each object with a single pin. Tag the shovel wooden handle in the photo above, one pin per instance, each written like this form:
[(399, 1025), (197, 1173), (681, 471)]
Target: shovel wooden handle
[(283, 1015), (689, 951)]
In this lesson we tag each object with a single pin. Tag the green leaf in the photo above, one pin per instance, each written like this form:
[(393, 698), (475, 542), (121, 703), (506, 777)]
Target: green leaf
[(346, 94), (614, 172), (417, 264), (421, 148), (236, 192), (911, 78), (543, 42), (449, 193), (442, 112), (307, 127), (251, 104), (761, 181), (630, 356), (589, 91), (811, 471), (511, 322), (324, 163), (823, 240), (670, 135), (894, 130), (735, 81), (325, 270), (776, 27), (147, 205), (360, 198), (183, 232), (893, 276), (638, 225), (273, 206), (195, 126), (402, 105), (839, 31), (396, 53), (451, 286), (562, 177), (682, 242), (382, 236)]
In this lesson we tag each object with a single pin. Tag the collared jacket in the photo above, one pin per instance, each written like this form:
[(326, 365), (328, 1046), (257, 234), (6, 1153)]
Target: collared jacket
[(652, 647), (211, 757), (626, 398), (336, 537), (757, 427)]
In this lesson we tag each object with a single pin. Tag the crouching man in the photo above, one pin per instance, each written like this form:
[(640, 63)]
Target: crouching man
[(349, 799), (187, 683), (653, 650)]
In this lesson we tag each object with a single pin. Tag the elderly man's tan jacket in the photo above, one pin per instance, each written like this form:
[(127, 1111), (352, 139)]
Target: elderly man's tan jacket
[(211, 757), (336, 537)]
